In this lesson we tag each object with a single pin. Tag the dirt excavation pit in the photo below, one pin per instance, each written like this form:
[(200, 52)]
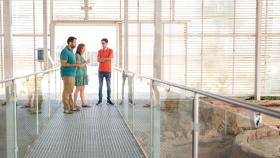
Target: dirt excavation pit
[(249, 142)]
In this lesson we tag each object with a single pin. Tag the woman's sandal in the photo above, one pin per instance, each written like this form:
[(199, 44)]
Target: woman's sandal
[(75, 109), (86, 106), (78, 108)]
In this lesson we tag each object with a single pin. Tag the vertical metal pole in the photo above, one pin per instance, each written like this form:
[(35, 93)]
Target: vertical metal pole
[(1, 49), (36, 104), (125, 104), (226, 124), (125, 49), (52, 36), (156, 133), (116, 59), (1, 44), (51, 10), (60, 94), (55, 87), (169, 49), (151, 116), (14, 101), (49, 95), (52, 42), (114, 77), (120, 9), (258, 49), (120, 46), (265, 48), (234, 45), (186, 54), (195, 126), (169, 41), (140, 48), (11, 116), (132, 97), (45, 34), (173, 10), (117, 86), (125, 35), (139, 40), (34, 36), (201, 44)]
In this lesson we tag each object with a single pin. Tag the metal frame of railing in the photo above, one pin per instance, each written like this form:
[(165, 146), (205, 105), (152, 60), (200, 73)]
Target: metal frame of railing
[(12, 151), (252, 107), (197, 92), (29, 75)]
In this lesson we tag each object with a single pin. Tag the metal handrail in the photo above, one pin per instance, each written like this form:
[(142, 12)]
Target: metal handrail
[(26, 76), (252, 107)]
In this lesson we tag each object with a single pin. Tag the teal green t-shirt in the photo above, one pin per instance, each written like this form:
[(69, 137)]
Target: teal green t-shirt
[(68, 55)]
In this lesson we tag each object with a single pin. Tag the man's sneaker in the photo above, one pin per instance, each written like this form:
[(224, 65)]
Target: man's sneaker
[(110, 102), (68, 112), (99, 102), (33, 111)]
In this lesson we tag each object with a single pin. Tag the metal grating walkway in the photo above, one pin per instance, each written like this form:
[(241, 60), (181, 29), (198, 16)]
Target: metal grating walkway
[(97, 132)]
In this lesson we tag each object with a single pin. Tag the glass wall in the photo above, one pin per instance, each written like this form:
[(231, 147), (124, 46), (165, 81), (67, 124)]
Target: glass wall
[(214, 41)]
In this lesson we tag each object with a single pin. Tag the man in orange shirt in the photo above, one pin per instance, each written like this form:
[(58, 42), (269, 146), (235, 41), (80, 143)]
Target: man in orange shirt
[(104, 57)]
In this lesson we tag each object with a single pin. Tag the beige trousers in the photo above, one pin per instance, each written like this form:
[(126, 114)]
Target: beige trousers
[(68, 87)]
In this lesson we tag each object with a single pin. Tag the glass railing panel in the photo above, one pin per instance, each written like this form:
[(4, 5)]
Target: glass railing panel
[(114, 82), (142, 120), (175, 115), (91, 90), (36, 102), (127, 97), (119, 101), (44, 99), (53, 93), (25, 112), (27, 119), (163, 120)]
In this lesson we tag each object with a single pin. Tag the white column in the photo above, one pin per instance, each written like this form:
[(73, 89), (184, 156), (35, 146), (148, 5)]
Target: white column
[(258, 49), (11, 133), (8, 48), (157, 39), (157, 74)]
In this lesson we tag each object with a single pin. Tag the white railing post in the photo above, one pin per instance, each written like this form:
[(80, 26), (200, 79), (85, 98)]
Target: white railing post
[(195, 126)]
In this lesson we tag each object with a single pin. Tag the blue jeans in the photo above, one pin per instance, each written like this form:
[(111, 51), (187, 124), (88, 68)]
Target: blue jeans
[(107, 76)]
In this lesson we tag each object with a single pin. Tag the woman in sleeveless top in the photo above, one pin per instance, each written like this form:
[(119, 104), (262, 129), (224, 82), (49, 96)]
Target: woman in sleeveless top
[(81, 78)]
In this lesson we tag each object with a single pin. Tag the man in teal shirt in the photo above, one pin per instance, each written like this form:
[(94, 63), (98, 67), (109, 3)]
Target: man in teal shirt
[(68, 73)]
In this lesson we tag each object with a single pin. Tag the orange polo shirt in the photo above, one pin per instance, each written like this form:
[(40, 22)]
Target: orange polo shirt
[(106, 65)]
